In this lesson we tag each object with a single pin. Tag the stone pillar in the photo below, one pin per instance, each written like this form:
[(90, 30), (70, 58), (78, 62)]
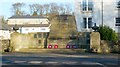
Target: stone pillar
[(95, 42)]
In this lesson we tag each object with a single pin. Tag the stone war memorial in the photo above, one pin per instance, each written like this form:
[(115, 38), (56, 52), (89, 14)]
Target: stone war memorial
[(95, 42), (69, 38), (27, 41)]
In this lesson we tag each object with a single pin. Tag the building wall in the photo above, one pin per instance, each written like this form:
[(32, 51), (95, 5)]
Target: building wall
[(30, 21), (78, 16), (4, 34), (26, 41), (34, 29), (27, 21), (109, 13)]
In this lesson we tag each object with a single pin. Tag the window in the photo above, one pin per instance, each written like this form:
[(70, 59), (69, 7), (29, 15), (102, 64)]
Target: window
[(44, 35), (89, 23), (42, 28), (85, 22), (35, 35), (117, 24), (84, 6), (39, 41), (117, 21), (39, 35), (87, 6), (118, 4), (90, 6)]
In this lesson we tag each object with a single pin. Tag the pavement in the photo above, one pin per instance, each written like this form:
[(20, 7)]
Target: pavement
[(37, 59)]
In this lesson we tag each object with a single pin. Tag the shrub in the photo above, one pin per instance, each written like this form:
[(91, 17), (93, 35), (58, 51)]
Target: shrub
[(115, 49), (107, 33)]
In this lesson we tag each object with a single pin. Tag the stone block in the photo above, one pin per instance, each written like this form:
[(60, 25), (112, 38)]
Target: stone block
[(95, 41)]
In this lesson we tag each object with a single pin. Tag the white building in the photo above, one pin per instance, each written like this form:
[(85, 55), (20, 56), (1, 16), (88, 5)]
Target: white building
[(4, 32), (101, 12), (29, 24)]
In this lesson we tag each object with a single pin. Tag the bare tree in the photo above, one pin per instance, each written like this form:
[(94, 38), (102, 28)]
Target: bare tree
[(41, 10), (54, 8), (50, 10), (68, 9), (2, 19), (34, 9), (17, 8), (61, 9), (31, 9), (46, 8), (35, 14)]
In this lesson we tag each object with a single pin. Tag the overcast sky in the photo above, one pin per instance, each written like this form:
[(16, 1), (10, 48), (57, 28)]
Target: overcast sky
[(5, 5)]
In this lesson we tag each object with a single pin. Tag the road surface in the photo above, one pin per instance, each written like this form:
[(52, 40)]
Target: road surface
[(59, 60)]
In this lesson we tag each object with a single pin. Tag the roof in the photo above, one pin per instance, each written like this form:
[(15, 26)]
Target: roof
[(27, 17), (65, 15), (31, 25)]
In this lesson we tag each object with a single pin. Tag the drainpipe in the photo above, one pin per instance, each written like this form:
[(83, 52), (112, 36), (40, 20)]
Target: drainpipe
[(102, 11)]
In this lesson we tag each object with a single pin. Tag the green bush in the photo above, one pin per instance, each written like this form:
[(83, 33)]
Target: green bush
[(116, 49), (107, 33)]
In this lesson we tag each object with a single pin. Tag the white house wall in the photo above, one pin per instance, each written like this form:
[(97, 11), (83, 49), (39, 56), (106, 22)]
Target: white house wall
[(78, 15), (4, 34), (34, 29), (109, 13), (30, 21), (97, 12)]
